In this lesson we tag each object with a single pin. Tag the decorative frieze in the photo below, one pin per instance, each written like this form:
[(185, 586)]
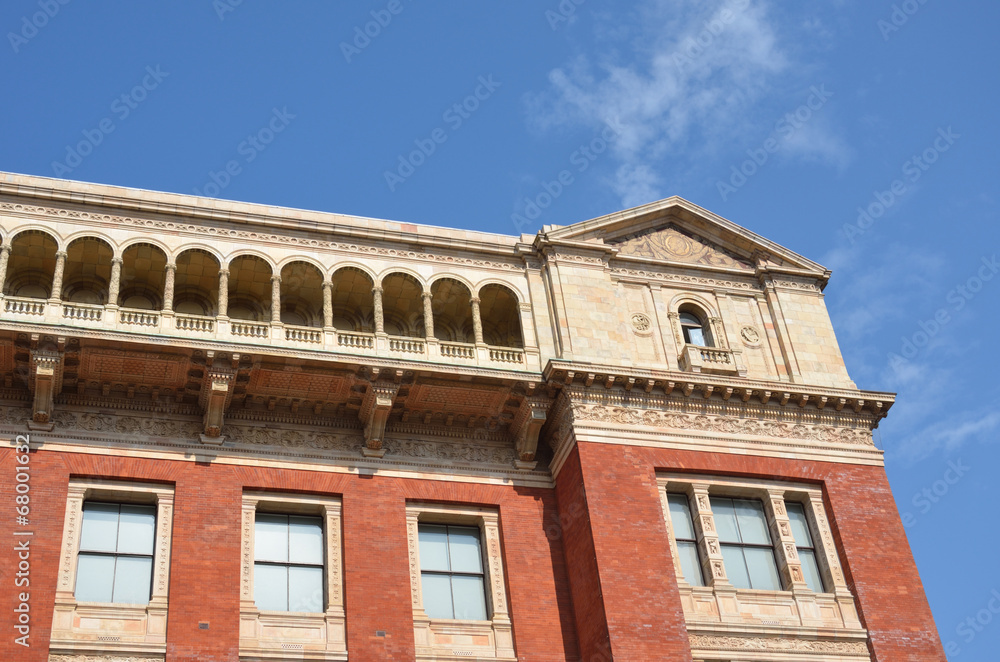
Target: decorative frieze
[(701, 642)]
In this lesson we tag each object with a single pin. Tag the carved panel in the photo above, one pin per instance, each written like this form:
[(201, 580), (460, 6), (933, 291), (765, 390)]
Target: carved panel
[(672, 243), (111, 365), (298, 384), (468, 399), (783, 644)]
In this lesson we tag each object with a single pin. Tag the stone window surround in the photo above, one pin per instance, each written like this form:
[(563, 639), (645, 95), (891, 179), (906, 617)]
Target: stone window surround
[(808, 606), (321, 636), (112, 628), (446, 638)]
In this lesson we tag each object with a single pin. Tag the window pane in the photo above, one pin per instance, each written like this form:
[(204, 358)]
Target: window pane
[(437, 595), (752, 521), (133, 578), (800, 525), (763, 571), (736, 569), (464, 546), (810, 570), (135, 529), (305, 589), (690, 563), (680, 517), (470, 600), (99, 532), (270, 538), (95, 576), (433, 547), (305, 540), (270, 587), (695, 336), (725, 519)]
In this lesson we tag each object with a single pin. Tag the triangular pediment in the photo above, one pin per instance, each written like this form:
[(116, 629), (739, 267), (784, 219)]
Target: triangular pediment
[(675, 230), (672, 243)]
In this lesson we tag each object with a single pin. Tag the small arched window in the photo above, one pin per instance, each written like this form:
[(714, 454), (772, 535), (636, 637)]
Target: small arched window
[(694, 330)]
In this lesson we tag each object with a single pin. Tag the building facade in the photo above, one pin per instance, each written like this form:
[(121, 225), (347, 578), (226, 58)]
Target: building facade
[(239, 432)]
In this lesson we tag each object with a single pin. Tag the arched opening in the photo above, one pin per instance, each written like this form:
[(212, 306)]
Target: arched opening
[(31, 265), (501, 316), (301, 295), (196, 283), (402, 306), (250, 289), (694, 327), (353, 305), (451, 302), (87, 274), (143, 274)]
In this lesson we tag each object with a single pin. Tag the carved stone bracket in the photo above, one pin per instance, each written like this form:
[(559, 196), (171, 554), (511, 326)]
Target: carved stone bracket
[(374, 414), (45, 381), (527, 424), (216, 393)]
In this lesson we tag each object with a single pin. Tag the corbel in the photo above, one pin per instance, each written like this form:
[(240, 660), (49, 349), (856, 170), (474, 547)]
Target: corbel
[(216, 393), (374, 414), (528, 422), (45, 381)]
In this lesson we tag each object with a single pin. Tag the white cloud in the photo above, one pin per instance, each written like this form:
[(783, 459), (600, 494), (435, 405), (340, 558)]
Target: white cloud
[(690, 77)]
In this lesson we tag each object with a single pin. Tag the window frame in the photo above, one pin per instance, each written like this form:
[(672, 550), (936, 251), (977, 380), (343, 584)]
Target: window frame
[(103, 633), (743, 545), (287, 565), (451, 573), (115, 555), (435, 636), (322, 633)]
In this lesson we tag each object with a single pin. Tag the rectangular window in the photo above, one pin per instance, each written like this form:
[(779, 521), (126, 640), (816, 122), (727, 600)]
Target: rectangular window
[(686, 539), (746, 543), (288, 563), (451, 572), (804, 545), (115, 561)]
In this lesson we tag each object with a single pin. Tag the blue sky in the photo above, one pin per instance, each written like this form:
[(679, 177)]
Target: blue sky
[(849, 108)]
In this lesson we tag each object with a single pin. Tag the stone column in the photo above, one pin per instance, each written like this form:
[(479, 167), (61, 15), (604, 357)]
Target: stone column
[(57, 277), (713, 565), (379, 314), (789, 566), (276, 299), (428, 315), (4, 256), (477, 321), (168, 288), (327, 304), (116, 279), (223, 292)]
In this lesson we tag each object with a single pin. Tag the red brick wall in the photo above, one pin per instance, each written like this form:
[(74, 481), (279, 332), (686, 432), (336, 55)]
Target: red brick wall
[(632, 552), (621, 570), (205, 561)]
